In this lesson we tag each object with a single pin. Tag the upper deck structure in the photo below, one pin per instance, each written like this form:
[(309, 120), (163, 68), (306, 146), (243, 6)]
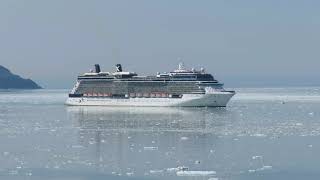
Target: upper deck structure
[(128, 85)]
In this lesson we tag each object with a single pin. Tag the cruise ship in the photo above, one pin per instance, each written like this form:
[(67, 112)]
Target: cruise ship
[(181, 87)]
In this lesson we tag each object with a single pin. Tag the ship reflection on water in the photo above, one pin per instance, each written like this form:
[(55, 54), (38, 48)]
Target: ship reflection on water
[(145, 119), (149, 141)]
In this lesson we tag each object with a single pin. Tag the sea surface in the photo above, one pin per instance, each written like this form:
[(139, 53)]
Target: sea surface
[(264, 133)]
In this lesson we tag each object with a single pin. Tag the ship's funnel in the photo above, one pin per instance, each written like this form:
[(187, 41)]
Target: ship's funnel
[(119, 67), (97, 66)]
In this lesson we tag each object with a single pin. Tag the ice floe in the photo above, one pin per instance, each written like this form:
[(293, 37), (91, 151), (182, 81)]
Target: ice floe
[(184, 138), (196, 173), (157, 171), (179, 168), (259, 135), (150, 148), (265, 168), (257, 157), (129, 173)]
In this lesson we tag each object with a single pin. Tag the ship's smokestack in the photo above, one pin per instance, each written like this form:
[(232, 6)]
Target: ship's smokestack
[(119, 67), (97, 66)]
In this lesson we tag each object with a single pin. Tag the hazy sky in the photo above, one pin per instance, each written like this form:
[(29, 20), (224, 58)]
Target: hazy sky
[(240, 42)]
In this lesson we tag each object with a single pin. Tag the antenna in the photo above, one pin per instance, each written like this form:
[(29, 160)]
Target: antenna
[(181, 66)]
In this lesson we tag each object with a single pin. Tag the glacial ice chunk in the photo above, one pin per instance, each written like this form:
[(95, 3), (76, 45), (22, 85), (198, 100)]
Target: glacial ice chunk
[(265, 168), (150, 148), (256, 157), (196, 173), (184, 138), (156, 171)]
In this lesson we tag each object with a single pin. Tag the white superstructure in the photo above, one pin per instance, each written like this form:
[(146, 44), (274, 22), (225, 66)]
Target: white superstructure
[(181, 87)]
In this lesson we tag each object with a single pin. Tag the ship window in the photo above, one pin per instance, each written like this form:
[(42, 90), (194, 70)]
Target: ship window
[(176, 96), (184, 76), (205, 77), (118, 95)]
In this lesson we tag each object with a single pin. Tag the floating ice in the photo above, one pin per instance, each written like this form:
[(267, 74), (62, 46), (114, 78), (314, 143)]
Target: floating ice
[(129, 173), (172, 169), (197, 162), (183, 168), (179, 168), (256, 157), (184, 138), (150, 148), (264, 168), (156, 171), (267, 167), (196, 173), (259, 135)]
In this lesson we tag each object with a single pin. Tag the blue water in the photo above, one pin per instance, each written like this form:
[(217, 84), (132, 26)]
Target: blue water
[(263, 134)]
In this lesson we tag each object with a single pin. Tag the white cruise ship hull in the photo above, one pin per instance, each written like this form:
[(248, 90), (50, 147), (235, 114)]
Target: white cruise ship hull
[(216, 99)]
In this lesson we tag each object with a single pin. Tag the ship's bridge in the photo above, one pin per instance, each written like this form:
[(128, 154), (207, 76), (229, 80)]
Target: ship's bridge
[(183, 73)]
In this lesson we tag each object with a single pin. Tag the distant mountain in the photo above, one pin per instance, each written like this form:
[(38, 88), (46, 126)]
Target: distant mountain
[(12, 81)]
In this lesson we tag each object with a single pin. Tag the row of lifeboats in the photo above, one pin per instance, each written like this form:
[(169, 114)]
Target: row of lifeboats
[(132, 95), (151, 95), (97, 94)]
